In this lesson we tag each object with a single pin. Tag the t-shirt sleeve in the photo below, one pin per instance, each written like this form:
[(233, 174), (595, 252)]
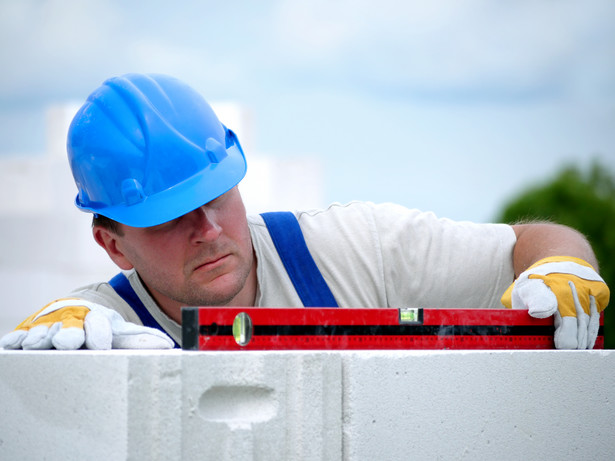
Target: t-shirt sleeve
[(102, 293), (440, 263)]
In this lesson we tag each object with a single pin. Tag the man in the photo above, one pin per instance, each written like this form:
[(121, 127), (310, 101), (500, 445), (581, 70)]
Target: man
[(159, 172)]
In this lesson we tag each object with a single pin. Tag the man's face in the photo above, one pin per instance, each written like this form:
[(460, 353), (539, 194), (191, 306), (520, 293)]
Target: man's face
[(204, 257)]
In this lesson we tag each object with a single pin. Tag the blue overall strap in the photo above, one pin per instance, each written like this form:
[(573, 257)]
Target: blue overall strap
[(122, 287), (302, 270)]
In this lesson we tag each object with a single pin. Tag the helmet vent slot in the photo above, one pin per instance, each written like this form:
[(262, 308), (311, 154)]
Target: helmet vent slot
[(215, 151), (132, 191)]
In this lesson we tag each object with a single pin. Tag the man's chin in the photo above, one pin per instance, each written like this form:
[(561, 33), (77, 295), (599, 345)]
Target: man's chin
[(219, 292), (221, 286)]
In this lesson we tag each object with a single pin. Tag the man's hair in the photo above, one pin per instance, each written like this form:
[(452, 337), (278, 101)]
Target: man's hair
[(107, 223)]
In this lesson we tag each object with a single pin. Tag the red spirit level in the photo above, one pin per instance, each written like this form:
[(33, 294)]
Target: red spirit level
[(256, 328)]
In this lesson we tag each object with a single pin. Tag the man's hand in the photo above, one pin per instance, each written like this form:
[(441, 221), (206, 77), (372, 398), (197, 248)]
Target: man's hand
[(69, 323), (568, 288)]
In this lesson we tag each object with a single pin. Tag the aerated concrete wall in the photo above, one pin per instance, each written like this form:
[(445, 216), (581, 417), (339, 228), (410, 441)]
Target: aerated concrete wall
[(350, 405)]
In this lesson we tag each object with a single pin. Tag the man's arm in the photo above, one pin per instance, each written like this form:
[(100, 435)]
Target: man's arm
[(537, 241)]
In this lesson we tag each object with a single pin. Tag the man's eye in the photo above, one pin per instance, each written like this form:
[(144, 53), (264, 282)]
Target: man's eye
[(217, 201), (166, 225)]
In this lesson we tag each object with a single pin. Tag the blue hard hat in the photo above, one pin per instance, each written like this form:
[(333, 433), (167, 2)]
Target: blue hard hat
[(146, 149)]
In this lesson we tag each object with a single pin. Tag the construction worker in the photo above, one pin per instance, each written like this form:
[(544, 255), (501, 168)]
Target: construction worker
[(159, 172)]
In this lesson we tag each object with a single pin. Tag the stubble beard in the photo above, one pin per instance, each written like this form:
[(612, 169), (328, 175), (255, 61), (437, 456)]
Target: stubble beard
[(197, 295), (207, 294)]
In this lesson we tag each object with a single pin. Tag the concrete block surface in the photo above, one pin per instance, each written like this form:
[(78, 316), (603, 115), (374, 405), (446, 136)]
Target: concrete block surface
[(306, 405)]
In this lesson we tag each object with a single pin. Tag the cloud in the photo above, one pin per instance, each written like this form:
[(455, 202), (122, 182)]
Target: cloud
[(426, 52), (51, 45), (448, 47), (436, 50)]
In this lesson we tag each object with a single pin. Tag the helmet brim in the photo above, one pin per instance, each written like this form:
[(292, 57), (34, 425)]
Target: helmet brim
[(188, 195)]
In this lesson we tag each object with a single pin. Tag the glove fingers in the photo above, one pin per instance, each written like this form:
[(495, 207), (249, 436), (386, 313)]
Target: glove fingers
[(39, 337), (594, 323), (557, 320), (148, 340), (566, 333), (535, 296), (128, 335), (13, 339), (582, 318), (123, 328), (98, 332), (68, 339)]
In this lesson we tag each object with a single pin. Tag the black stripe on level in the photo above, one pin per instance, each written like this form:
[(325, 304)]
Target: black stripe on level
[(385, 330)]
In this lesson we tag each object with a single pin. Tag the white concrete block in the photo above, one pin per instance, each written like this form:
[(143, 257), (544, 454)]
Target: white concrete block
[(63, 406), (155, 406), (170, 405), (262, 406), (346, 405), (479, 405)]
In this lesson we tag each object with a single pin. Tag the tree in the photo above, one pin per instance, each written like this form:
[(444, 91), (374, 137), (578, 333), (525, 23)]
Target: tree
[(584, 200)]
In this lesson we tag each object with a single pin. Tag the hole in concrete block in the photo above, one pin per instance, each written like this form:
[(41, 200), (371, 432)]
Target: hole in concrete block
[(248, 404)]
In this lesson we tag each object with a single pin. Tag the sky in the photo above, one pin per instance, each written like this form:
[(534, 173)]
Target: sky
[(450, 106)]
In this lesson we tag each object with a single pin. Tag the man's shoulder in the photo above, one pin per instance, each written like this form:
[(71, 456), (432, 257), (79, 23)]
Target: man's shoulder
[(104, 294), (353, 218), (335, 209)]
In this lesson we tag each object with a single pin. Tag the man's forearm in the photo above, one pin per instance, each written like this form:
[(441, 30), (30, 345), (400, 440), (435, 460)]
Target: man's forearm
[(539, 240)]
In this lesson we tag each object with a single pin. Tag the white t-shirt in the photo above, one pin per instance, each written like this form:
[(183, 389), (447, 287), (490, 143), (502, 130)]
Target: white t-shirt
[(370, 256)]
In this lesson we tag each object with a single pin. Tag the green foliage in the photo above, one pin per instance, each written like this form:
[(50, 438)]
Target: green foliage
[(584, 200)]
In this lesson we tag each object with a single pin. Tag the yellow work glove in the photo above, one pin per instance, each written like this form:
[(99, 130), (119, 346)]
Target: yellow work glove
[(69, 323), (568, 288)]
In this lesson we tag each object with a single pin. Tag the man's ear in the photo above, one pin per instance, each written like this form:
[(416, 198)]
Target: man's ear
[(108, 240)]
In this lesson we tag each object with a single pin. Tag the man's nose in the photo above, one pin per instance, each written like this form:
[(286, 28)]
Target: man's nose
[(206, 227)]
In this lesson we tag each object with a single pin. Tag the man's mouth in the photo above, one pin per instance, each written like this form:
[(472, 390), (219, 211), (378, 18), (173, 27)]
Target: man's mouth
[(212, 263)]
